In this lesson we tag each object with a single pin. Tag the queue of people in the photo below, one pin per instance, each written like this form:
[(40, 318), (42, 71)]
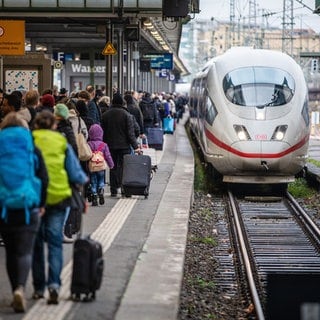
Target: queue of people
[(53, 120)]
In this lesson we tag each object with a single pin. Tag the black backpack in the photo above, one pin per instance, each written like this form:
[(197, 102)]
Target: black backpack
[(147, 110)]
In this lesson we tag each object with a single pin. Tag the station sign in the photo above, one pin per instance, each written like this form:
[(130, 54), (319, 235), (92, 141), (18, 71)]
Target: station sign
[(12, 37), (160, 60), (59, 56)]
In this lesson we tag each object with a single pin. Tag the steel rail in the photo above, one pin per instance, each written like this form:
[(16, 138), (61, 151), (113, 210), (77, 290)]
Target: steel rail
[(253, 289)]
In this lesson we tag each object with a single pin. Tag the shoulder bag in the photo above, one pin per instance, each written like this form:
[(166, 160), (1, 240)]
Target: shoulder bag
[(84, 150)]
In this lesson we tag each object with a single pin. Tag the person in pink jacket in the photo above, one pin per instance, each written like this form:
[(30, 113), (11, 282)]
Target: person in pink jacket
[(97, 178)]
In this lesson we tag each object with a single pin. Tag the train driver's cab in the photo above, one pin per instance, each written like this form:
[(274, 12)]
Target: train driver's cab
[(259, 87)]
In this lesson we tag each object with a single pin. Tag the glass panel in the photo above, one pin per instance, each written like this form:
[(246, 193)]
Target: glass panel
[(16, 3), (98, 3), (130, 3), (259, 86), (41, 3), (150, 3), (71, 3)]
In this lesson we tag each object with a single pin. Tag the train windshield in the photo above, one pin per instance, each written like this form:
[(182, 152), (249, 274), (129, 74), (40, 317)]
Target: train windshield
[(258, 86)]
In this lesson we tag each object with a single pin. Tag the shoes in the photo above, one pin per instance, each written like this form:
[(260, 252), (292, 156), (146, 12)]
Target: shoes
[(67, 239), (113, 195), (125, 195), (101, 196), (95, 200), (37, 295), (53, 296), (19, 302)]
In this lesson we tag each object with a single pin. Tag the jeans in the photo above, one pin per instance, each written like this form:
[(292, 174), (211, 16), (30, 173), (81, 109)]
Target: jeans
[(19, 240), (97, 181), (50, 231)]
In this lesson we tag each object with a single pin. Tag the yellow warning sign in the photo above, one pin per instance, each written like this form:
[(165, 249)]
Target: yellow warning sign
[(109, 49)]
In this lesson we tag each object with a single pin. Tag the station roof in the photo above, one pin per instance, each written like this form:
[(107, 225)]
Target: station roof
[(80, 26)]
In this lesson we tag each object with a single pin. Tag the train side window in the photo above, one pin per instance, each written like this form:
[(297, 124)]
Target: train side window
[(211, 111)]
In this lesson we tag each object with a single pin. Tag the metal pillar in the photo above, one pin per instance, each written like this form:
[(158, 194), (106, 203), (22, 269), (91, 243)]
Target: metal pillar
[(91, 57), (109, 32), (129, 64), (120, 60), (287, 27)]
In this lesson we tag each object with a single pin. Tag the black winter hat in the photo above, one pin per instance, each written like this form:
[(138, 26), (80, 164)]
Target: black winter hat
[(117, 100)]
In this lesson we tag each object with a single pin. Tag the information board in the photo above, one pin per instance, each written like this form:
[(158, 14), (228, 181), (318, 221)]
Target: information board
[(160, 60)]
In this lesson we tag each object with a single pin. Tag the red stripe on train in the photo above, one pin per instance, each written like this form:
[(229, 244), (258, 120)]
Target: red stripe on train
[(224, 146)]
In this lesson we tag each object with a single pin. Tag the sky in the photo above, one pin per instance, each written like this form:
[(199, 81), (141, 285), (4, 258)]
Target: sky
[(303, 16)]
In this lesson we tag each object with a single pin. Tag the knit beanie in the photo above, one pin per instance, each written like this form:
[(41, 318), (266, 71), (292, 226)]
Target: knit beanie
[(117, 100), (47, 100), (61, 110)]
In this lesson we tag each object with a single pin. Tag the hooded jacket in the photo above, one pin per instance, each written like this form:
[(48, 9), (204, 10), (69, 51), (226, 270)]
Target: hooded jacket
[(95, 140)]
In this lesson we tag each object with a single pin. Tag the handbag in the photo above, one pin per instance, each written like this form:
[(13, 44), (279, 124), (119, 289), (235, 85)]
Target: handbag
[(78, 202), (77, 208), (84, 150)]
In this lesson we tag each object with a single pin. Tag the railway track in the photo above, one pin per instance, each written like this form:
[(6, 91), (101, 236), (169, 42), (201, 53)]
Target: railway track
[(274, 237)]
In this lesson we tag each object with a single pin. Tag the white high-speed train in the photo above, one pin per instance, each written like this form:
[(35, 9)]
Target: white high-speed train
[(249, 114)]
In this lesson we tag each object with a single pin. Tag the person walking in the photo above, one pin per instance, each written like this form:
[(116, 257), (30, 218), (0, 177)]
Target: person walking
[(64, 126), (63, 169), (135, 111), (149, 112), (97, 178), (12, 103), (19, 226), (118, 129), (94, 111)]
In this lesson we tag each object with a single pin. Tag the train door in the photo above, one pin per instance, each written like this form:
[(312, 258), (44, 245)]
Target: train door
[(193, 102), (202, 111)]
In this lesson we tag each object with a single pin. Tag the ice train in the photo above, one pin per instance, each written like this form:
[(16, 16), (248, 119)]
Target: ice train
[(249, 114)]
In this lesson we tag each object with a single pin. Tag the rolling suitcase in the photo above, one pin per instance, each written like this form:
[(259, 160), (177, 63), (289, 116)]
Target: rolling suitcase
[(155, 138), (87, 269), (136, 175)]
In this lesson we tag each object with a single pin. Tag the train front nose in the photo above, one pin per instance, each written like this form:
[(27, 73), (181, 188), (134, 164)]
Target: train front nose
[(260, 156)]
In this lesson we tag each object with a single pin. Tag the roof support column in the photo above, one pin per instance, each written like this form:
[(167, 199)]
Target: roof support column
[(120, 59), (129, 66), (108, 60)]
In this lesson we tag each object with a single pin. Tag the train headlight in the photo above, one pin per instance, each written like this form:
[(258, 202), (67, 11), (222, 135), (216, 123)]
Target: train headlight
[(279, 133), (241, 132)]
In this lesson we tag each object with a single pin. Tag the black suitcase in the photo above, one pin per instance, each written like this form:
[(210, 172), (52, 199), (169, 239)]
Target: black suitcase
[(87, 269), (155, 138), (136, 175)]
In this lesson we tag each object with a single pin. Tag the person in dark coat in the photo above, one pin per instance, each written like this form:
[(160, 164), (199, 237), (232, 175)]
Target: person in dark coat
[(118, 128), (104, 104), (83, 111), (93, 108), (149, 112), (61, 113), (135, 111)]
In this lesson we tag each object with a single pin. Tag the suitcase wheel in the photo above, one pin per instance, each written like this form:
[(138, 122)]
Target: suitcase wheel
[(87, 298)]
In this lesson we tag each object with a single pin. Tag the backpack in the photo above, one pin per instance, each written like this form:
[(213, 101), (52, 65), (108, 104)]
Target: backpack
[(97, 161), (147, 110), (19, 186)]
